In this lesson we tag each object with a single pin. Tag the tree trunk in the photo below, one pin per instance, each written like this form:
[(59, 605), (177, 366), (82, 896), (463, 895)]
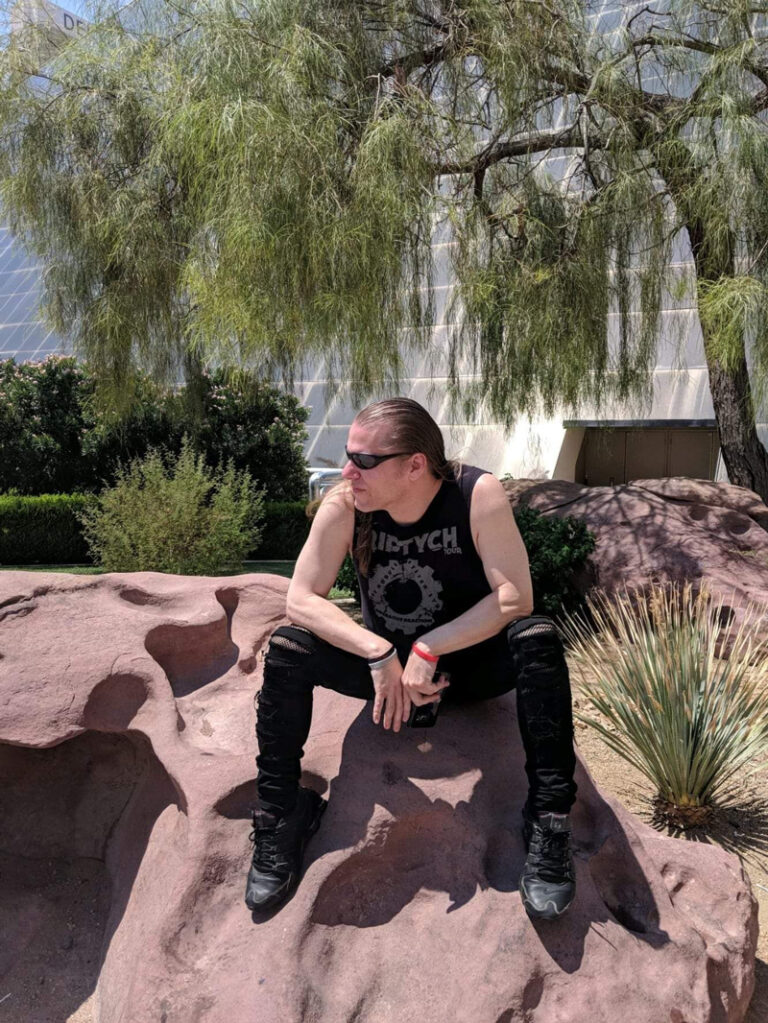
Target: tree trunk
[(746, 460)]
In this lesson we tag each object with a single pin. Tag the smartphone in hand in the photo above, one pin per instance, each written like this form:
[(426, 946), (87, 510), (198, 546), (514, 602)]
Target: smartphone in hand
[(426, 715)]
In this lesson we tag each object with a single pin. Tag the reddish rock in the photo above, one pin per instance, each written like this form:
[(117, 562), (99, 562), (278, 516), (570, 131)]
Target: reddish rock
[(673, 530), (723, 495), (126, 773)]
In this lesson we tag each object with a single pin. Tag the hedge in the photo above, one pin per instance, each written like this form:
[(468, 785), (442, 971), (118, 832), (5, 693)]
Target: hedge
[(42, 530), (285, 529), (45, 530), (557, 549)]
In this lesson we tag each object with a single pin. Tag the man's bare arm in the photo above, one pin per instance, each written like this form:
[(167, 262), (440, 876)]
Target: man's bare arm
[(505, 562), (321, 556), (329, 540)]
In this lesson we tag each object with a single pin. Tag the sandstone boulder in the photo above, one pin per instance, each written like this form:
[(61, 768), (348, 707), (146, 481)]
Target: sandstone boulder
[(672, 530), (126, 775)]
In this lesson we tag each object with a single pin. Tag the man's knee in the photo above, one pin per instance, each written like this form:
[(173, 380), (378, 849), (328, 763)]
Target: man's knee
[(530, 626), (291, 643), (290, 659), (535, 643), (288, 675)]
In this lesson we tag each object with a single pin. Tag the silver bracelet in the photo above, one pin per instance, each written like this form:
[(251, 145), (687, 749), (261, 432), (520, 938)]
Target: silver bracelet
[(383, 661)]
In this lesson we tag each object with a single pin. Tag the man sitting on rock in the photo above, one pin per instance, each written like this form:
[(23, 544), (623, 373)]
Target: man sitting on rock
[(445, 587)]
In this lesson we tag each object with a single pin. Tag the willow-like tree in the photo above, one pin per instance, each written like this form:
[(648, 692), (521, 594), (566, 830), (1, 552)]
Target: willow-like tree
[(261, 179)]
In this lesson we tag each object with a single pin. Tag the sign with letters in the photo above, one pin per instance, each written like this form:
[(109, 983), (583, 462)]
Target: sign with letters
[(57, 24)]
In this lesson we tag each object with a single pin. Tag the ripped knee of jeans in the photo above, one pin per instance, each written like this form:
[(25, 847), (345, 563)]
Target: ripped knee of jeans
[(537, 649), (290, 646), (530, 627)]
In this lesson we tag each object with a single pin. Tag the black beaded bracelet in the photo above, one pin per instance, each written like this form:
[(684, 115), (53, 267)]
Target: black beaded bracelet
[(375, 662)]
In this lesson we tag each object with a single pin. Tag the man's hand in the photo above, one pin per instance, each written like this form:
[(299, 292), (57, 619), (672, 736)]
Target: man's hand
[(420, 684), (388, 701)]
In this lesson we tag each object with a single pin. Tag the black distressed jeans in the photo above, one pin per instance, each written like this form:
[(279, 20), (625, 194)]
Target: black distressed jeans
[(527, 655)]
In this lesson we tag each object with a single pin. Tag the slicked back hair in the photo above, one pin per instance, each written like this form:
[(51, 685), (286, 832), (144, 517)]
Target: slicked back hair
[(408, 428)]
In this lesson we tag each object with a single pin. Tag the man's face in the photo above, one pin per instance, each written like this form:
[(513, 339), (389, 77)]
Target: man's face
[(384, 485)]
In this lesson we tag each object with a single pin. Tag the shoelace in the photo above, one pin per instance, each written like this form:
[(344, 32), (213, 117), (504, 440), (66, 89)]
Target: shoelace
[(267, 854), (550, 853)]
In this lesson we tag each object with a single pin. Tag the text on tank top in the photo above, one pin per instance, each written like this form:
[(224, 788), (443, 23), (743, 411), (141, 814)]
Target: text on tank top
[(425, 573)]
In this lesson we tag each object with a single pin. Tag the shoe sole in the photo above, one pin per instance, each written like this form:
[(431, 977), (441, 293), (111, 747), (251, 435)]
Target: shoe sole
[(550, 912), (282, 893)]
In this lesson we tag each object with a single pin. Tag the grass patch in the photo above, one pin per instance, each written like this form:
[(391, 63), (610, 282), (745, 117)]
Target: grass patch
[(71, 569)]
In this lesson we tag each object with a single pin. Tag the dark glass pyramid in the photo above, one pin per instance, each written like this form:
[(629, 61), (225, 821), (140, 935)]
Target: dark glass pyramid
[(24, 336)]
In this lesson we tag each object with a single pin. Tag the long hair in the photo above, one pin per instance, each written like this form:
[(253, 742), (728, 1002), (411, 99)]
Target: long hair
[(410, 429)]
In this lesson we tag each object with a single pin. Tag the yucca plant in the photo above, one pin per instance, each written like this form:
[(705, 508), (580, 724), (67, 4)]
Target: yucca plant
[(687, 718)]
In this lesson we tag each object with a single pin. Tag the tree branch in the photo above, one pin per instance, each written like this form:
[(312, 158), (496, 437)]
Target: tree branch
[(571, 137), (411, 61), (687, 42)]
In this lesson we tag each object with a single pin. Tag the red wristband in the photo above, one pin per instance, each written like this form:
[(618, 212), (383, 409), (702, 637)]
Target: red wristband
[(424, 655)]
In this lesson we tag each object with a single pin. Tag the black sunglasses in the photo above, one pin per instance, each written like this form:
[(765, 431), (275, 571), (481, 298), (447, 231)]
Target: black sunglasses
[(364, 461)]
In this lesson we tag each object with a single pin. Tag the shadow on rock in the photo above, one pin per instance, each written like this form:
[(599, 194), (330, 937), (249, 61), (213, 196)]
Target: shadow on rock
[(439, 811), (66, 873)]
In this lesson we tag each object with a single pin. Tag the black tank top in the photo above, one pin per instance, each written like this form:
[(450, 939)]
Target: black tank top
[(426, 573)]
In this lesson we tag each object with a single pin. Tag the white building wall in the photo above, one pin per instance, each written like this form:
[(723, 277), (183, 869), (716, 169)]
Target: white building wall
[(23, 335), (537, 447)]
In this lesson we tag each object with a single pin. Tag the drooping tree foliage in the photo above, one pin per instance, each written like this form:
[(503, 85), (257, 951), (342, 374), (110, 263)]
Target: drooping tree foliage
[(261, 179)]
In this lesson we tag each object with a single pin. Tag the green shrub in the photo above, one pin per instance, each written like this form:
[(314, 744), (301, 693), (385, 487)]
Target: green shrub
[(557, 548), (55, 436), (41, 426), (286, 527), (170, 514), (254, 425), (43, 530), (347, 578), (685, 718)]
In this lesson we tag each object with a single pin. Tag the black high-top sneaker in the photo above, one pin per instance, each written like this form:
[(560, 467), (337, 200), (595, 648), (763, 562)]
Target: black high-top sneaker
[(278, 850), (548, 880)]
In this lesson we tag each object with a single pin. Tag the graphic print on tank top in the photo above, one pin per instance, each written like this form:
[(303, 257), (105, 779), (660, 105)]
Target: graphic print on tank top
[(425, 573), (405, 595)]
